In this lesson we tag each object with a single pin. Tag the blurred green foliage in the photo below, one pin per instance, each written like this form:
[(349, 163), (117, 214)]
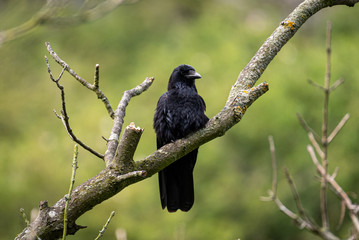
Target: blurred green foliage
[(150, 38)]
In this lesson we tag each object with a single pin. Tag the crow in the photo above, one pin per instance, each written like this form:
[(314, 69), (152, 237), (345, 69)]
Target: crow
[(179, 112)]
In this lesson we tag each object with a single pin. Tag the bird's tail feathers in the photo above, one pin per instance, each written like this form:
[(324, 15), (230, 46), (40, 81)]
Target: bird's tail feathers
[(176, 184)]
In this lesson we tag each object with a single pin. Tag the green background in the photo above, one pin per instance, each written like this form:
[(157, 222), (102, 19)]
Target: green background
[(151, 38)]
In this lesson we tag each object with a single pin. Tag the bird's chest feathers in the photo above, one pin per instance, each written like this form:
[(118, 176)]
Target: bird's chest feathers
[(184, 110), (184, 102)]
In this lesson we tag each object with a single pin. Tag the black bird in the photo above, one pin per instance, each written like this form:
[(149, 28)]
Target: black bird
[(179, 111)]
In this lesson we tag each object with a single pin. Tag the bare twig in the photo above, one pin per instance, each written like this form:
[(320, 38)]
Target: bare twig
[(120, 115), (102, 231), (93, 87), (307, 127), (336, 84), (272, 194), (323, 186), (64, 116), (337, 189), (321, 147), (315, 84), (68, 195), (316, 145), (342, 214), (338, 127), (274, 166), (97, 76), (295, 194), (301, 220), (325, 139)]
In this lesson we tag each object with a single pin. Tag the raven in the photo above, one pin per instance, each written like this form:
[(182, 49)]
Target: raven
[(179, 111)]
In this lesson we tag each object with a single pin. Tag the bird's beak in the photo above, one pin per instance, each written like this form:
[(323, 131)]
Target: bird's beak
[(193, 75)]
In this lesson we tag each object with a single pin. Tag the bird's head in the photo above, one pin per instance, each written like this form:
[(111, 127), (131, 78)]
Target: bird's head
[(183, 74)]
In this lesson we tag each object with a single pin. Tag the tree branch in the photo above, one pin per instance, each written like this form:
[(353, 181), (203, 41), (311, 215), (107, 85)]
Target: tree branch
[(337, 189), (307, 127), (127, 147), (93, 87), (338, 127), (284, 32), (64, 117), (110, 181), (120, 115), (301, 220)]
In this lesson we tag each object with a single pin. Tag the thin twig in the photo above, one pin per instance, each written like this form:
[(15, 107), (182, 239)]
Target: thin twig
[(342, 214), (64, 116), (306, 127), (23, 214), (301, 221), (274, 166), (338, 127), (316, 145), (337, 189), (336, 84), (295, 194), (97, 76), (323, 186), (93, 87), (102, 231), (68, 195), (315, 84)]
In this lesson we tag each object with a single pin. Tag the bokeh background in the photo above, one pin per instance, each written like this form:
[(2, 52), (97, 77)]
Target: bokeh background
[(150, 38)]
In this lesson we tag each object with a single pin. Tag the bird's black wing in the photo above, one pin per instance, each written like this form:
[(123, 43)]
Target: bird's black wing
[(162, 122), (175, 118)]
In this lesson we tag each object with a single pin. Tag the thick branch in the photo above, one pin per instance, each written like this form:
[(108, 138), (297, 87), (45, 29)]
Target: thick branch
[(126, 148), (216, 127)]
